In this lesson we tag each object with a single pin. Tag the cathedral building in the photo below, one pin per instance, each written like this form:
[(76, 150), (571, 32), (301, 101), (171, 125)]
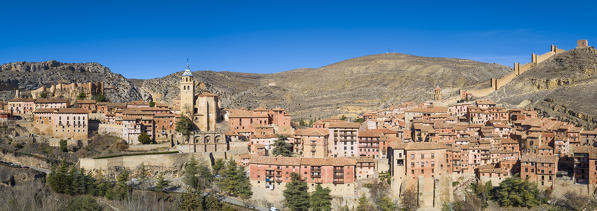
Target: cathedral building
[(203, 108)]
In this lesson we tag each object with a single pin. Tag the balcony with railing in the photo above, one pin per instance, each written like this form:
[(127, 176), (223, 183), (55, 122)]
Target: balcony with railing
[(315, 174), (338, 181)]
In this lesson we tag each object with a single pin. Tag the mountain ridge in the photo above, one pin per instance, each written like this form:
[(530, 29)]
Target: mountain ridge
[(350, 86)]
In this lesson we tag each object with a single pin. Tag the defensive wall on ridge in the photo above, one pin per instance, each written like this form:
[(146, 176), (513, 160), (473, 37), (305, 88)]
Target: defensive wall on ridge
[(518, 69)]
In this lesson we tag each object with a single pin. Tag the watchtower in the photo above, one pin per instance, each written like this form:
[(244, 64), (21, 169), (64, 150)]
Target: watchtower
[(582, 43)]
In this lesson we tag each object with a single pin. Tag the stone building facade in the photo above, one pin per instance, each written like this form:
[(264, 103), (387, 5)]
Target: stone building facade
[(63, 123), (203, 108), (21, 106)]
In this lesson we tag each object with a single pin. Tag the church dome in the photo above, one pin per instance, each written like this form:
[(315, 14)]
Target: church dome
[(187, 72)]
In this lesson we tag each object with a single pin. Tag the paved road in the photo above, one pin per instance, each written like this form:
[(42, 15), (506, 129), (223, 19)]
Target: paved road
[(16, 165)]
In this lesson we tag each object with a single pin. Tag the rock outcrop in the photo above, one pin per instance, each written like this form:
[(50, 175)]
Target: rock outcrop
[(33, 75), (564, 86)]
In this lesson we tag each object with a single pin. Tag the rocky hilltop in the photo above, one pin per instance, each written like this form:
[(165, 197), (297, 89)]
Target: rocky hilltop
[(32, 75), (348, 87), (564, 86)]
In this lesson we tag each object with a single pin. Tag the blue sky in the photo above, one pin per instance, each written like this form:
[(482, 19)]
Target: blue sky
[(148, 39)]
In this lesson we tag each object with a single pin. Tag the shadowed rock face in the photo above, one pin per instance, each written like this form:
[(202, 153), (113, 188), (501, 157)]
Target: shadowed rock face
[(350, 86), (564, 86), (32, 75)]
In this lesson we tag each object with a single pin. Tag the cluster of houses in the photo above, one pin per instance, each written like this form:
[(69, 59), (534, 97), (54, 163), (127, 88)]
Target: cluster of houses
[(484, 139), (408, 142), (413, 141)]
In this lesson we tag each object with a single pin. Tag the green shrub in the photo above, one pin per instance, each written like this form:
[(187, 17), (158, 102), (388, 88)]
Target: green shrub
[(63, 146), (83, 203)]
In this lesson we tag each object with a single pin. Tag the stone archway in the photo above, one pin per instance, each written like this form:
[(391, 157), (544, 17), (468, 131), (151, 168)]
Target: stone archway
[(196, 139), (206, 140), (217, 140)]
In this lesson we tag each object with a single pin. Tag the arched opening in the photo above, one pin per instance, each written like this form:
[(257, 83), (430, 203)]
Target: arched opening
[(205, 142), (217, 140)]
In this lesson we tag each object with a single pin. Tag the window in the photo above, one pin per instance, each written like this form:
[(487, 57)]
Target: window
[(422, 156)]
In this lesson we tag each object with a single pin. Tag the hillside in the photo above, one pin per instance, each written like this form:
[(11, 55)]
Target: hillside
[(32, 75), (350, 86), (564, 86)]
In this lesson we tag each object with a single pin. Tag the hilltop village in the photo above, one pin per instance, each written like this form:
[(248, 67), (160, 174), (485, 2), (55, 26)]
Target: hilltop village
[(434, 149)]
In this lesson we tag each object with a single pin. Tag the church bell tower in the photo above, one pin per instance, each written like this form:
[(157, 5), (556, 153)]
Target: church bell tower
[(187, 93)]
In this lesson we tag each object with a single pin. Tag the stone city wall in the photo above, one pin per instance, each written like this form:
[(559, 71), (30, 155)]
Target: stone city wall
[(518, 69)]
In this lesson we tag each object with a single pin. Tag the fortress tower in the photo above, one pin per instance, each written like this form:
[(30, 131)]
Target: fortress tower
[(582, 43), (187, 93)]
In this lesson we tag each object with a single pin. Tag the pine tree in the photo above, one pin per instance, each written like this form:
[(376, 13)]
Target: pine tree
[(121, 189), (386, 204), (185, 126), (205, 176), (234, 181), (282, 147), (81, 96), (189, 201), (228, 182), (142, 176), (243, 186), (52, 179), (101, 185), (89, 182), (296, 196), (144, 138), (190, 174), (219, 164), (364, 204), (516, 192), (211, 203), (162, 183), (84, 203), (321, 199), (78, 182)]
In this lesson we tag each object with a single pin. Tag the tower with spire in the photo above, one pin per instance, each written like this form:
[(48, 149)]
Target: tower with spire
[(202, 108), (187, 92)]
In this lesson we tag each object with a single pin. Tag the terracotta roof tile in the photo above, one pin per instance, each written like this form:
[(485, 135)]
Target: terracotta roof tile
[(538, 158), (51, 100), (344, 124), (312, 132)]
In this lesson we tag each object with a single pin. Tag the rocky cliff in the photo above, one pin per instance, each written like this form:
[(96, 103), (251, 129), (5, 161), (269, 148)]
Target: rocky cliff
[(564, 86), (32, 75), (348, 87)]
